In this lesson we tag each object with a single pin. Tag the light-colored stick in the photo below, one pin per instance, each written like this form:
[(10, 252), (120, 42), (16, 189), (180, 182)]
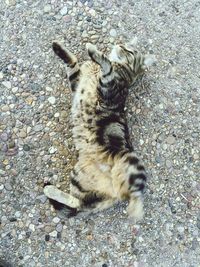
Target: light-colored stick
[(54, 193)]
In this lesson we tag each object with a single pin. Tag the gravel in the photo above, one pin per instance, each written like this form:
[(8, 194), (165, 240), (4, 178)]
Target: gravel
[(36, 139)]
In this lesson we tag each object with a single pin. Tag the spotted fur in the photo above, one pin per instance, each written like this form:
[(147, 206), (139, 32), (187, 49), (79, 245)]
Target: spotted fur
[(107, 170)]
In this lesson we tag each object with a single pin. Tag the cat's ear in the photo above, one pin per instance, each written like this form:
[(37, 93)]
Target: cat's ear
[(99, 58)]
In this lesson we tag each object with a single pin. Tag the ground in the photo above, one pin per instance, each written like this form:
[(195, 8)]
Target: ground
[(36, 143)]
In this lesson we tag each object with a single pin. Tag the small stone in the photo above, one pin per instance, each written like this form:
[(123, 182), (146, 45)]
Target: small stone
[(56, 220), (53, 234), (15, 89), (198, 221), (196, 156), (59, 235), (49, 89), (168, 163), (11, 144), (52, 150), (170, 140), (1, 75), (52, 100), (92, 12), (42, 198), (17, 214), (26, 147), (38, 127), (47, 8), (113, 33), (67, 19), (8, 186), (63, 11), (5, 108), (84, 34), (59, 227), (32, 227), (12, 219), (57, 114), (28, 234), (6, 161), (47, 238), (7, 84), (11, 2), (180, 229), (4, 137), (1, 187), (22, 134)]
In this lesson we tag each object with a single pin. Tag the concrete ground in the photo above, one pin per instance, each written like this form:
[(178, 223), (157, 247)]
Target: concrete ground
[(36, 142)]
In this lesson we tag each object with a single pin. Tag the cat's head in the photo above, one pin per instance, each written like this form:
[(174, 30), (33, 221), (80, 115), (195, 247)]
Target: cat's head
[(125, 62)]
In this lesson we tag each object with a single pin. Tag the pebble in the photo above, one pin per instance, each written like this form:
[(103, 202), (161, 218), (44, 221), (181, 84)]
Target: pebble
[(113, 33), (4, 137), (52, 150), (48, 89), (56, 220), (47, 238), (52, 100), (59, 227), (170, 140), (42, 198), (22, 134), (1, 75), (180, 229), (38, 127), (1, 187), (53, 234), (47, 8), (7, 84), (32, 227), (14, 90), (63, 11), (8, 186), (11, 2), (26, 147), (5, 108), (168, 163)]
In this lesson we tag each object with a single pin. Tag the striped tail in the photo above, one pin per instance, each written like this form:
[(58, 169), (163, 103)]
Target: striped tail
[(73, 70)]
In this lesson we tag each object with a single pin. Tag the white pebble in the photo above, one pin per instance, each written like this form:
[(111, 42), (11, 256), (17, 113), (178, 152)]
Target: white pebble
[(7, 84), (57, 114), (1, 75), (63, 11), (53, 234), (52, 150), (113, 33), (52, 100), (49, 89), (56, 220), (32, 227), (1, 187), (15, 89)]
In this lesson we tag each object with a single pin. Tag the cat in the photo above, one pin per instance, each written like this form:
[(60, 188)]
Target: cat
[(108, 170)]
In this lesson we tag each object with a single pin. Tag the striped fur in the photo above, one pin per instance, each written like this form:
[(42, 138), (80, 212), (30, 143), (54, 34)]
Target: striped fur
[(107, 170)]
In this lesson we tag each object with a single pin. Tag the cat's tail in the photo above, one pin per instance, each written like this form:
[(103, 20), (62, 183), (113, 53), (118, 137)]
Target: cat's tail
[(73, 69)]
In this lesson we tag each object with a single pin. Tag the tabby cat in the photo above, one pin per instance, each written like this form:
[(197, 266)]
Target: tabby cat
[(107, 170)]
